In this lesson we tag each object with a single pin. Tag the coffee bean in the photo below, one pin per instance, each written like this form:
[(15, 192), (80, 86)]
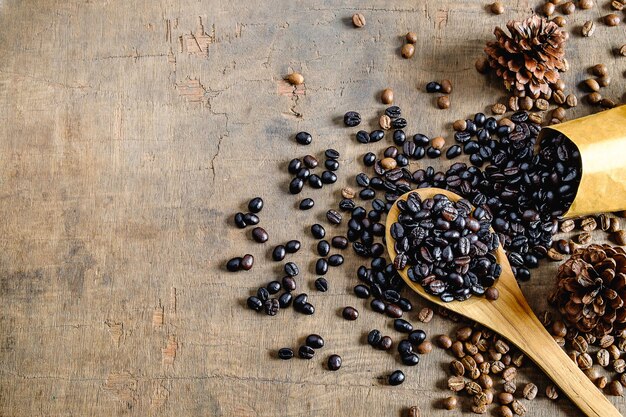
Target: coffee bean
[(352, 119), (387, 96), (350, 313), (255, 205), (453, 152), (306, 352), (318, 231), (254, 303), (323, 248), (250, 219), (304, 138), (620, 237), (285, 299), (492, 293), (385, 343), (335, 260), (307, 309), (396, 378), (497, 7), (408, 50), (315, 181), (611, 19), (374, 337), (402, 326), (278, 254), (361, 291), (291, 269), (315, 341), (234, 264), (289, 284), (295, 78), (443, 102), (239, 221), (271, 306), (334, 362), (331, 153), (358, 20), (333, 217), (285, 353), (416, 337), (295, 186), (433, 87), (321, 284), (321, 266), (393, 311), (247, 262)]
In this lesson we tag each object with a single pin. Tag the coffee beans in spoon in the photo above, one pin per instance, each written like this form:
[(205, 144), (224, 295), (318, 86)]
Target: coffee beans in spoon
[(447, 246)]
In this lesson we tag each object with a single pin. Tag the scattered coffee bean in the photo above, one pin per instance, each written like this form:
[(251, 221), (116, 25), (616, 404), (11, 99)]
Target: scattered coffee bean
[(402, 326), (247, 262), (306, 352), (446, 86), (315, 341), (254, 303), (234, 264), (385, 343), (285, 353), (433, 87), (333, 217), (551, 392), (408, 50), (425, 315), (387, 96), (289, 284), (620, 237), (291, 269), (318, 232), (306, 204), (492, 293), (352, 119), (304, 138), (321, 284), (295, 78), (611, 19), (396, 378), (350, 313), (443, 102), (414, 411), (323, 248), (271, 306), (334, 362), (497, 7), (358, 20)]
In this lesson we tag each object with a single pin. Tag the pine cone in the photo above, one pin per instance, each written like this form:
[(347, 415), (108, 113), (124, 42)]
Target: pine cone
[(591, 289), (529, 60)]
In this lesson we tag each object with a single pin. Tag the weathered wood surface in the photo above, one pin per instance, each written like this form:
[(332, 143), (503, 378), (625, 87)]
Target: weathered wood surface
[(133, 131)]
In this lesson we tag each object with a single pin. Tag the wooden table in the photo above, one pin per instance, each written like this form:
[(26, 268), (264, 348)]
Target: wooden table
[(133, 131)]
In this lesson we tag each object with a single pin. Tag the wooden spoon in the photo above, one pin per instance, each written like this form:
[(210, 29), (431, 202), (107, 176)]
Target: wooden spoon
[(511, 317)]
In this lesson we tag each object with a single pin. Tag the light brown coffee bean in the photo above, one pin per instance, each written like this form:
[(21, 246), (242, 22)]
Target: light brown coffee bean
[(580, 344), (616, 388), (347, 192), (567, 226), (411, 37), (599, 70), (425, 315), (607, 103), (443, 341), (470, 348), (457, 368), (584, 238), (555, 255), (358, 20), (617, 5), (548, 9), (492, 293), (446, 86), (571, 100), (408, 50), (530, 391), (591, 84), (501, 346), (504, 411), (568, 8), (551, 392), (295, 78), (385, 122), (424, 348), (464, 333), (588, 28), (606, 341), (518, 407), (535, 118), (497, 7), (585, 4), (620, 237), (602, 356), (622, 379), (560, 21), (479, 409), (604, 81), (509, 373), (450, 403), (614, 225), (526, 103), (480, 399), (388, 163), (468, 363), (498, 109), (413, 412), (541, 104), (619, 366), (456, 383), (559, 97), (594, 98), (387, 96), (559, 113), (459, 125), (485, 381), (588, 224), (513, 103), (584, 361), (611, 19), (615, 351), (601, 382), (457, 349), (472, 388), (509, 387), (438, 142), (443, 102), (505, 398)]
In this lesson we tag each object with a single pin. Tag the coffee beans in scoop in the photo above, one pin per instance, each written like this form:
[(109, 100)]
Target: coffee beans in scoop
[(446, 246)]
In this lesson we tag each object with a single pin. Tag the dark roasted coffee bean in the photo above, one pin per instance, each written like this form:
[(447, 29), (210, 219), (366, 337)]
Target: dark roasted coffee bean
[(361, 291), (417, 337), (369, 159), (421, 140), (278, 254), (393, 311), (385, 343), (404, 304), (373, 337), (304, 138), (255, 205), (378, 305), (352, 119), (453, 152), (432, 152), (318, 231), (263, 294), (346, 204), (315, 181), (294, 166), (398, 123), (329, 177), (323, 248), (239, 221), (307, 309), (399, 137), (304, 173), (291, 269), (306, 352), (306, 204), (321, 284), (310, 161), (402, 326), (251, 219), (433, 87), (376, 135), (254, 303), (363, 137), (367, 194), (285, 300), (292, 246), (410, 359), (300, 300), (289, 284), (331, 154), (295, 186), (396, 378), (335, 260), (339, 242), (315, 341), (273, 287), (234, 264), (321, 266), (259, 235), (333, 216), (393, 112), (331, 165), (334, 362), (271, 306), (285, 353), (350, 313), (362, 180)]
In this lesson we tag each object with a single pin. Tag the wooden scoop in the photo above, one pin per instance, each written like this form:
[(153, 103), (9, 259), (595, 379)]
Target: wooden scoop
[(511, 317)]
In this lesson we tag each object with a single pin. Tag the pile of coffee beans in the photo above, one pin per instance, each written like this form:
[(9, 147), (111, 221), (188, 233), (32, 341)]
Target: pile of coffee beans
[(301, 169), (447, 246)]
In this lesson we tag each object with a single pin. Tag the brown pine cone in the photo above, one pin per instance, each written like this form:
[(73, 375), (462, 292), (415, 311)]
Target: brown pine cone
[(591, 289), (529, 60)]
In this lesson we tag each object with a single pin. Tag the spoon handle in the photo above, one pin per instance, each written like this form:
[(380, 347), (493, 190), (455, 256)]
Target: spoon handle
[(533, 339)]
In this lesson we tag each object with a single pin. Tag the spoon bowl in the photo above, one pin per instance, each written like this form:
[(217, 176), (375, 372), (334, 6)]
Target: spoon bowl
[(511, 317)]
